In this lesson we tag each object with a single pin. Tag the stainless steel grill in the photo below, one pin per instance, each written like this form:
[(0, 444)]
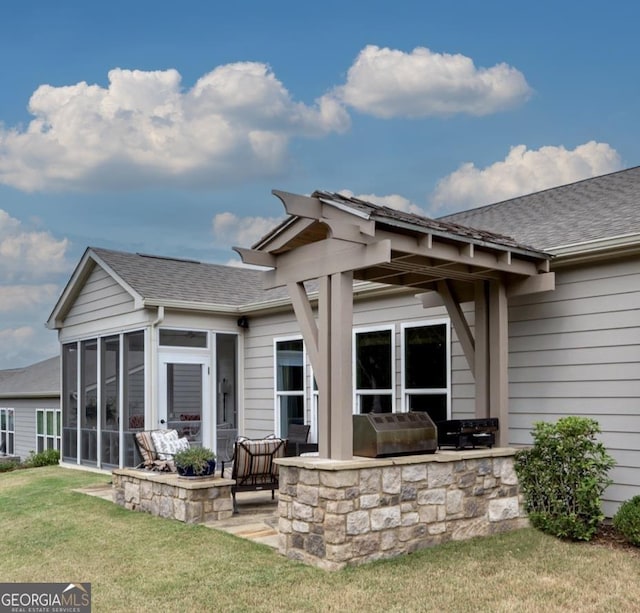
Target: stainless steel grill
[(463, 433), (377, 435)]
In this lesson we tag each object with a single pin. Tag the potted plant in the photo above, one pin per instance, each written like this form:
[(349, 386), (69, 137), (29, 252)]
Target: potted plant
[(195, 462)]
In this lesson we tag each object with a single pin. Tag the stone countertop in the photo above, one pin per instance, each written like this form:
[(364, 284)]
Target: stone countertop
[(317, 463)]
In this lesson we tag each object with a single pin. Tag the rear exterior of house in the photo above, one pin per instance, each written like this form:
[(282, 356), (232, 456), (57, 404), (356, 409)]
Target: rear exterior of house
[(30, 415), (152, 342)]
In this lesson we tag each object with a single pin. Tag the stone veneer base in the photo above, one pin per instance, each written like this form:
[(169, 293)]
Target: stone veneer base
[(334, 514), (167, 495)]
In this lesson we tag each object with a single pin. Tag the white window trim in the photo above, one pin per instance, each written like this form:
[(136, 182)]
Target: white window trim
[(277, 394), (10, 450), (381, 391), (425, 391), (57, 434)]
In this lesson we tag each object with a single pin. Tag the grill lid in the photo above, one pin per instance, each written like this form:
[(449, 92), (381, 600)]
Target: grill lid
[(385, 434)]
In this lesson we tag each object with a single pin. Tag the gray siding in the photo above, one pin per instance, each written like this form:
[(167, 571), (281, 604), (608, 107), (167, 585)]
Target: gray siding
[(99, 298), (576, 351), (25, 420), (381, 311)]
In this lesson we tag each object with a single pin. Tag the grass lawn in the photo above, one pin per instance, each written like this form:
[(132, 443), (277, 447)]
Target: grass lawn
[(136, 562)]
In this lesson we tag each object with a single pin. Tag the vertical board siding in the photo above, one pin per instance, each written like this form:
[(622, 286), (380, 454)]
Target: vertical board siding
[(576, 351)]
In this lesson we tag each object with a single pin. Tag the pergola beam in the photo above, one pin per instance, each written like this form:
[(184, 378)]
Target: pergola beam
[(324, 258)]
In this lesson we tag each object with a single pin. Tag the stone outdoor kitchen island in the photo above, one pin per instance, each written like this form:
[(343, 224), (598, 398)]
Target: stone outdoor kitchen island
[(339, 513)]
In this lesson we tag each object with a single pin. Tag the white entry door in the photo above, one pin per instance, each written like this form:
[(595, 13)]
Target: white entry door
[(184, 396)]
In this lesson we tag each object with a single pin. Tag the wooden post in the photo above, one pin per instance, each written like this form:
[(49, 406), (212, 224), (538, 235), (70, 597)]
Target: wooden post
[(341, 421), (498, 358), (481, 328)]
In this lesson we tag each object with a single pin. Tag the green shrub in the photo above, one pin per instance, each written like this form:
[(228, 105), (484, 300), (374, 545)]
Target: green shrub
[(627, 520), (563, 476), (44, 458), (5, 467)]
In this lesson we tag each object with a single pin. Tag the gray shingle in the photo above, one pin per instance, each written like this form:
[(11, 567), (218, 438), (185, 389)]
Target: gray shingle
[(394, 217), (160, 278), (596, 208), (40, 378)]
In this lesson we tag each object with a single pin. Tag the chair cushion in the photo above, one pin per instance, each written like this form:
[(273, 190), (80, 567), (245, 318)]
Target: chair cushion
[(146, 447), (167, 443), (254, 458)]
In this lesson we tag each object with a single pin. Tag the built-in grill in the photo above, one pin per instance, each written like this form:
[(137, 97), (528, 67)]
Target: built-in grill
[(377, 435), (464, 433)]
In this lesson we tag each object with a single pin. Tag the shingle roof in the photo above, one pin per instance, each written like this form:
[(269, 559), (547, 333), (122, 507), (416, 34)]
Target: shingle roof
[(42, 378), (171, 279), (596, 208), (395, 217)]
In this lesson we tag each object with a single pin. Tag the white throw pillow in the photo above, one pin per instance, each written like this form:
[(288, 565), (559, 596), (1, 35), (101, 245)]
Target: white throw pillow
[(165, 442)]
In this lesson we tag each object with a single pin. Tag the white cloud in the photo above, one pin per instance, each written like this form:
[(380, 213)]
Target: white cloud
[(28, 254), (143, 129), (24, 345), (21, 298), (229, 229), (16, 336), (523, 171), (394, 201), (390, 83)]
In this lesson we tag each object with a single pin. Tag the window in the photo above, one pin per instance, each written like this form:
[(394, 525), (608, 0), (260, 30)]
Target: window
[(373, 370), (426, 368), (48, 428), (183, 338), (7, 431), (289, 384)]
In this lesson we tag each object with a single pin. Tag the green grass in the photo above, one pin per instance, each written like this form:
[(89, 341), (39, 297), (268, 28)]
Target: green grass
[(136, 562)]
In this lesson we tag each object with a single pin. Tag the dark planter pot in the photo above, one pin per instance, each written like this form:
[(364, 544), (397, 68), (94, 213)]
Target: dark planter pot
[(188, 471)]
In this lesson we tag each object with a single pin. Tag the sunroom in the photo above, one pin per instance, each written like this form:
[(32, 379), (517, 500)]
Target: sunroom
[(141, 350)]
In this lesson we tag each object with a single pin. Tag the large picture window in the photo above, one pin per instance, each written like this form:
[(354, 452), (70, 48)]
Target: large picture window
[(373, 370), (289, 384), (48, 429), (426, 368), (7, 431)]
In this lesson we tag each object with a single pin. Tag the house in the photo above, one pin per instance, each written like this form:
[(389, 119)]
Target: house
[(30, 414), (525, 310)]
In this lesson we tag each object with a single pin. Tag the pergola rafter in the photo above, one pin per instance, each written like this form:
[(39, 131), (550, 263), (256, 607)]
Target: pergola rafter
[(336, 239)]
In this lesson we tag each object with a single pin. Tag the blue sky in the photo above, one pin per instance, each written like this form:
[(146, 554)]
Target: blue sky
[(162, 127)]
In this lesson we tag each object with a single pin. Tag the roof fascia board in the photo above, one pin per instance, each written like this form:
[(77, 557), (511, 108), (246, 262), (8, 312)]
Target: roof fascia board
[(222, 309), (137, 298), (81, 273), (596, 249), (22, 395), (71, 289)]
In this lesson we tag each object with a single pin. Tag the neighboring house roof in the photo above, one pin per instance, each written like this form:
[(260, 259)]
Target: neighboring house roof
[(590, 210), (38, 380)]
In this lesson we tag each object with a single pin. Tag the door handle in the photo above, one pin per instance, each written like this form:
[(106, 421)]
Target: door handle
[(162, 421)]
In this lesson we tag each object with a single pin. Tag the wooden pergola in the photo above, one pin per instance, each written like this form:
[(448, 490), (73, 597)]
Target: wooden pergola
[(337, 240)]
